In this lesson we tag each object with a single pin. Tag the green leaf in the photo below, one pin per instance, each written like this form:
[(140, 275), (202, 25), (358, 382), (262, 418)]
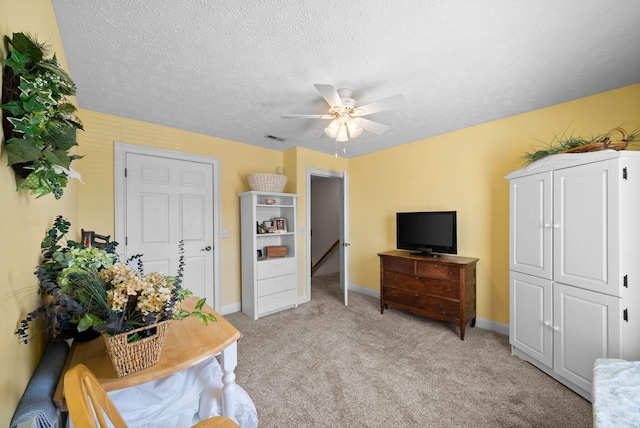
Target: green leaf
[(182, 314), (68, 83), (24, 44), (134, 337), (21, 151), (64, 138), (200, 304), (14, 107), (17, 61), (53, 158), (37, 184), (33, 103), (66, 108), (20, 124)]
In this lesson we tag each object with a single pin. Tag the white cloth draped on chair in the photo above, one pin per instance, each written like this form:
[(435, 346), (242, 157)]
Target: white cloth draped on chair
[(182, 399)]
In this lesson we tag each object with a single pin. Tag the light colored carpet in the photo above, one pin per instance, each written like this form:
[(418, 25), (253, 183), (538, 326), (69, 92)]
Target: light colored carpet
[(326, 365)]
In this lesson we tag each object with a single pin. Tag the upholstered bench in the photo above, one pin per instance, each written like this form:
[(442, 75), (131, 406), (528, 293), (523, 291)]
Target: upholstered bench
[(616, 393), (36, 405)]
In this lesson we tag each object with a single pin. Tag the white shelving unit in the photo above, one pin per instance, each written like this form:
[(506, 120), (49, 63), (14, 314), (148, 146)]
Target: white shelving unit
[(269, 284)]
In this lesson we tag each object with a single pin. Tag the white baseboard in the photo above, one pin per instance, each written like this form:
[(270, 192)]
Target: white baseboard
[(231, 309), (485, 324), (496, 327)]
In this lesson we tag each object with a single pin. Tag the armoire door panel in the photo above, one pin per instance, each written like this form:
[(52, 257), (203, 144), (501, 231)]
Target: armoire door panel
[(531, 225), (582, 201), (531, 316), (587, 328)]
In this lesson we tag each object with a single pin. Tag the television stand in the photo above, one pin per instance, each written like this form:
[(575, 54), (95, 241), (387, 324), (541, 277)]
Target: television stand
[(442, 287)]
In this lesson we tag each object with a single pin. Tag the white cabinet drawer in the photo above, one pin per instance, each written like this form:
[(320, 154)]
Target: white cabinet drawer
[(277, 284), (277, 301), (278, 267)]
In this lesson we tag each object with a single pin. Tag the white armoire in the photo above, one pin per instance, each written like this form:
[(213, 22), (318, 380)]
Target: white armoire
[(574, 261)]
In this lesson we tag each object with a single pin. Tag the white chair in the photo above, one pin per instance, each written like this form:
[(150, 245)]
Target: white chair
[(88, 403)]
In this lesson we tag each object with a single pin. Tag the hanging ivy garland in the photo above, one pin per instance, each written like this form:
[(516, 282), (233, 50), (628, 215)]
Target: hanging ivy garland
[(39, 123)]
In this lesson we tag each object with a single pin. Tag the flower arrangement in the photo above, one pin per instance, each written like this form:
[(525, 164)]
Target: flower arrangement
[(89, 287), (39, 123)]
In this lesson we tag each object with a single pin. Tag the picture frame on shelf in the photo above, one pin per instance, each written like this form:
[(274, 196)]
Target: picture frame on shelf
[(259, 254), (279, 224)]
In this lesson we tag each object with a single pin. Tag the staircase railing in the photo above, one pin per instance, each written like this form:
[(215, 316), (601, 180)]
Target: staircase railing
[(315, 266)]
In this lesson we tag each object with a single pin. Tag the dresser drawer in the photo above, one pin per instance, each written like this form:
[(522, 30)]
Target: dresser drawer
[(398, 265), (433, 307), (277, 301), (433, 287), (437, 270), (277, 284), (279, 267)]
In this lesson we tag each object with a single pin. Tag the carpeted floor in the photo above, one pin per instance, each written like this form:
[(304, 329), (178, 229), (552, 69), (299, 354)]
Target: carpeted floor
[(326, 365)]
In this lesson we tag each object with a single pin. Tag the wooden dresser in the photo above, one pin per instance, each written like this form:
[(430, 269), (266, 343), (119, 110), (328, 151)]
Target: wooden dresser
[(442, 288)]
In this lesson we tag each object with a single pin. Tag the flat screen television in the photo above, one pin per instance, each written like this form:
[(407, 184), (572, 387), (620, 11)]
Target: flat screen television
[(427, 232)]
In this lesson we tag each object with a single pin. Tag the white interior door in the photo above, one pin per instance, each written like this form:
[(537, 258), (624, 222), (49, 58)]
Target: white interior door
[(344, 249), (165, 201)]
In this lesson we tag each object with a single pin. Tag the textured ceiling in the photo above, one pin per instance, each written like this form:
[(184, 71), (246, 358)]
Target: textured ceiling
[(229, 68)]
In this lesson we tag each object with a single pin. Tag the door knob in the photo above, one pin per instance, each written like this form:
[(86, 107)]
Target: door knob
[(207, 248)]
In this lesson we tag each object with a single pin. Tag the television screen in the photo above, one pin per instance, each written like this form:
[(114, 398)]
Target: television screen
[(427, 232)]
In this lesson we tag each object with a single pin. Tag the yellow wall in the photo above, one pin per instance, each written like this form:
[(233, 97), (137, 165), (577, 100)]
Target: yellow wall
[(296, 162), (464, 171), (97, 209), (23, 223), (461, 170)]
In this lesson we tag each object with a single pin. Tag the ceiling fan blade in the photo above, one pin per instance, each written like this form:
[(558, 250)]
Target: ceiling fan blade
[(370, 125), (330, 94), (395, 102), (307, 116)]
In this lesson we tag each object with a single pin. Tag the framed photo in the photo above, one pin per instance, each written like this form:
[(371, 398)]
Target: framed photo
[(259, 254), (279, 224)]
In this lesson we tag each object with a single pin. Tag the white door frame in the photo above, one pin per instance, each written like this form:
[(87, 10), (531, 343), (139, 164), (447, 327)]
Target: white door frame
[(328, 174), (120, 152)]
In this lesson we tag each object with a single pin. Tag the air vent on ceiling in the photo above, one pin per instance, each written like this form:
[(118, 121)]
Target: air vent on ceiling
[(273, 137)]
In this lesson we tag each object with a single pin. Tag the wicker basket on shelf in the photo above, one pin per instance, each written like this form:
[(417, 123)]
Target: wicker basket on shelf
[(605, 144), (131, 357), (267, 182)]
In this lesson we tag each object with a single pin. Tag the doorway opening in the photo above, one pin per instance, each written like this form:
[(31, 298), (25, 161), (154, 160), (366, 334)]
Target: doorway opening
[(327, 236)]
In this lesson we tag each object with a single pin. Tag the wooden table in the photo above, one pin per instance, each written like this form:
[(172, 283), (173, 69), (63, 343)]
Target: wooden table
[(187, 342)]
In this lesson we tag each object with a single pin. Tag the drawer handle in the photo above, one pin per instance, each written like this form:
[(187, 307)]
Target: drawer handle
[(450, 273)]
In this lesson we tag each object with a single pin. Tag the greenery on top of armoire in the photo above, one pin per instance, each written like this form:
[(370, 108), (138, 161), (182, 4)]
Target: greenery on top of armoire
[(39, 122), (568, 143)]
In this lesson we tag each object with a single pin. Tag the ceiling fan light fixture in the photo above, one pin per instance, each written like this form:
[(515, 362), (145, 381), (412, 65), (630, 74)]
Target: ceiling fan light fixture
[(353, 128), (332, 129), (343, 134), (346, 116)]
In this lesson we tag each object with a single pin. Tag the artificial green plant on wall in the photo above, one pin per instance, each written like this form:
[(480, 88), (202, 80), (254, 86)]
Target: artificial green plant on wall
[(39, 122)]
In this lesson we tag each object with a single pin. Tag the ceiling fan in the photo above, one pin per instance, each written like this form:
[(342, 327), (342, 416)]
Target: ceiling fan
[(347, 121)]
